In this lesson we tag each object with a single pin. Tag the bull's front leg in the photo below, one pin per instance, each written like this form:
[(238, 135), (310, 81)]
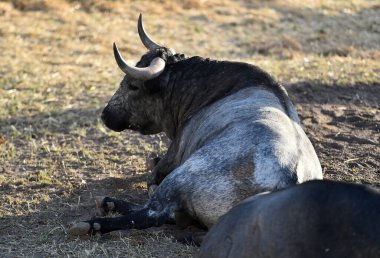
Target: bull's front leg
[(159, 171), (161, 167), (151, 162), (139, 219)]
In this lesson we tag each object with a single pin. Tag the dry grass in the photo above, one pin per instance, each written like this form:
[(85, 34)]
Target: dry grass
[(57, 71)]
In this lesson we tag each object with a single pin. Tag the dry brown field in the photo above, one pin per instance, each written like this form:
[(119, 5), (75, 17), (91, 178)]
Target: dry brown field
[(57, 71)]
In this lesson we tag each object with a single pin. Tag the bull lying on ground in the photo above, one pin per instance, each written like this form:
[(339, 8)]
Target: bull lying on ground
[(234, 133), (314, 219)]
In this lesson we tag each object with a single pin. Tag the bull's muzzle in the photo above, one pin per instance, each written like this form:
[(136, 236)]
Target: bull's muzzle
[(114, 120)]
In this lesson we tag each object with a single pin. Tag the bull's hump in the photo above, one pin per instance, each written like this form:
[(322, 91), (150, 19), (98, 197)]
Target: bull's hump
[(248, 103)]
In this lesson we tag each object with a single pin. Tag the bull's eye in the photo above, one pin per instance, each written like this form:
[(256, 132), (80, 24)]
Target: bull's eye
[(132, 87)]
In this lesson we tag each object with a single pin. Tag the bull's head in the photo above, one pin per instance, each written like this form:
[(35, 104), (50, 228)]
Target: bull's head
[(135, 105)]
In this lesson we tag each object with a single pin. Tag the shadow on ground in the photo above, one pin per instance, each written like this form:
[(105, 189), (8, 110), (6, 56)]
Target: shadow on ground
[(44, 228)]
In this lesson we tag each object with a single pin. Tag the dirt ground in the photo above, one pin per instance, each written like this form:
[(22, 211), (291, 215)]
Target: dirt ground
[(57, 71)]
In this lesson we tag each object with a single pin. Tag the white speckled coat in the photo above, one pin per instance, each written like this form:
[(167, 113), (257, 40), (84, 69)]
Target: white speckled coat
[(236, 147)]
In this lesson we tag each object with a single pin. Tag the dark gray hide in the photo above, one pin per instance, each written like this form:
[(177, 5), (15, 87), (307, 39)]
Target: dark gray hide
[(315, 219), (234, 133)]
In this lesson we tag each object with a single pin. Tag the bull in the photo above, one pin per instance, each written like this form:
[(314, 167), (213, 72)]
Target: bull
[(234, 133), (313, 219)]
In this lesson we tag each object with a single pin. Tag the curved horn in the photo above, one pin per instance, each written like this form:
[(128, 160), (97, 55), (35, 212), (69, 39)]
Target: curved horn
[(148, 43), (155, 68)]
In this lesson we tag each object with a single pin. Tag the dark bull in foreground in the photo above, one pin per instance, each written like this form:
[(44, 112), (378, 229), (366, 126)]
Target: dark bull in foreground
[(315, 219), (234, 133)]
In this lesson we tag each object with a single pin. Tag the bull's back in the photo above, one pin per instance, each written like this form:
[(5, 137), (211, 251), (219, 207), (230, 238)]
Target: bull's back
[(254, 120), (240, 146)]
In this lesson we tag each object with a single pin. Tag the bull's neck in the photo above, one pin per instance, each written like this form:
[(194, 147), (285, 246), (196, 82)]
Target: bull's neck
[(194, 83)]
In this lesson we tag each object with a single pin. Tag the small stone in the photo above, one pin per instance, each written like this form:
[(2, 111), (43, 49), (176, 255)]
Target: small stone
[(81, 228)]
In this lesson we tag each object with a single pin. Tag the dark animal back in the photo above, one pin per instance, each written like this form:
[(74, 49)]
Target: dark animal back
[(314, 219)]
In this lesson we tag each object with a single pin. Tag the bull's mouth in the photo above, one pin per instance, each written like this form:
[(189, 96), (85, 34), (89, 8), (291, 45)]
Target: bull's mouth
[(134, 127), (116, 127), (119, 126), (120, 123), (144, 130)]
